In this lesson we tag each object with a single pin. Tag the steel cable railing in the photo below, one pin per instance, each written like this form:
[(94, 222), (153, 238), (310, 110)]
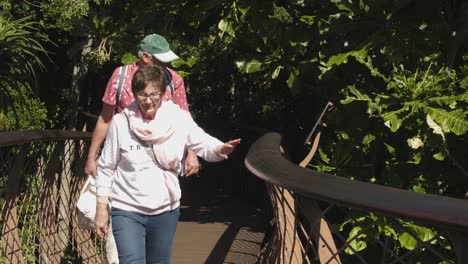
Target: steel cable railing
[(41, 173)]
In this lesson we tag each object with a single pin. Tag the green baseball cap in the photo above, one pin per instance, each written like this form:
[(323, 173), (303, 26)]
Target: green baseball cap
[(157, 46)]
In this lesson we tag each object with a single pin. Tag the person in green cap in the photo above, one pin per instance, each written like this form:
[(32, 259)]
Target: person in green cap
[(153, 49), (138, 168)]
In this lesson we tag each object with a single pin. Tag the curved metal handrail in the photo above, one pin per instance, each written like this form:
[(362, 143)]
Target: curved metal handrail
[(265, 160)]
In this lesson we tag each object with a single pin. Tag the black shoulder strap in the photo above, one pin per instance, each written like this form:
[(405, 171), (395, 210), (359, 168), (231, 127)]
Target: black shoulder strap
[(120, 82), (169, 79)]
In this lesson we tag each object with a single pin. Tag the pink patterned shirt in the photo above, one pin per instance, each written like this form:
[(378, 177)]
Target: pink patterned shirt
[(126, 96)]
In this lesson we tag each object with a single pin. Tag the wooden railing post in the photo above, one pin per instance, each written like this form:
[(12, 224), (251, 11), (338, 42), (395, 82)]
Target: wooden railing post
[(460, 246)]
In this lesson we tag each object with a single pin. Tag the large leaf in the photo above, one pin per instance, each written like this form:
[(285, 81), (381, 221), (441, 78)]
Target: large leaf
[(360, 55), (394, 119), (226, 27), (355, 240), (358, 96), (408, 239), (249, 67), (454, 121)]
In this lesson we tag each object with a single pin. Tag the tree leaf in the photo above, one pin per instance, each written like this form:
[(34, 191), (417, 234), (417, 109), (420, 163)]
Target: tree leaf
[(453, 121), (392, 120), (128, 58), (225, 26), (439, 156), (292, 77), (276, 72), (309, 20), (408, 241), (355, 242), (249, 67), (435, 127), (415, 143)]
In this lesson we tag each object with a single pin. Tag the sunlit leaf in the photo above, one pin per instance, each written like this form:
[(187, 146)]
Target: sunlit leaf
[(418, 188), (128, 58), (355, 241), (439, 156), (422, 233), (368, 138), (415, 143), (309, 20), (292, 77), (249, 67), (276, 72), (226, 27), (435, 127), (393, 121), (407, 241), (454, 121), (389, 148)]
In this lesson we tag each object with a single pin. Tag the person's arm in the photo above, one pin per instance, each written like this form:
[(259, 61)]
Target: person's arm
[(99, 134), (206, 146), (108, 162)]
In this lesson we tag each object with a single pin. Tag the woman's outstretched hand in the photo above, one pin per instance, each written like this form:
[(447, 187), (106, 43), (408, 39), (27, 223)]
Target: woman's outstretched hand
[(227, 148)]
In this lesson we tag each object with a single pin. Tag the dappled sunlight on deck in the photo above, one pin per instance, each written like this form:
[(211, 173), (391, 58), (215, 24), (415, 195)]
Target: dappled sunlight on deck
[(216, 227)]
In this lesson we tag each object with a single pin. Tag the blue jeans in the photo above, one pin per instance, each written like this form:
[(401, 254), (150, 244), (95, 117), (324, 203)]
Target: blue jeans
[(143, 239)]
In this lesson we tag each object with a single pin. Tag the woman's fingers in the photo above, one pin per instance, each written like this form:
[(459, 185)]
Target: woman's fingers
[(101, 231), (234, 142), (229, 147)]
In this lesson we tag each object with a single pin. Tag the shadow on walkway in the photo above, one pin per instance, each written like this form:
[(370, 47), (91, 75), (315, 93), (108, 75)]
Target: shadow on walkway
[(216, 227)]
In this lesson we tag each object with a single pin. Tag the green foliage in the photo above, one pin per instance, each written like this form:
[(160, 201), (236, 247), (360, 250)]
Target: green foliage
[(396, 71), (67, 13), (21, 50), (27, 112), (363, 229)]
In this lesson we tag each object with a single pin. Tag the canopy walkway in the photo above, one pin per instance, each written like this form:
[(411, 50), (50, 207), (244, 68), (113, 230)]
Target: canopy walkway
[(41, 173)]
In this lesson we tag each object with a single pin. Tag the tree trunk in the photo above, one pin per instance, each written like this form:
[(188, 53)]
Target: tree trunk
[(79, 73)]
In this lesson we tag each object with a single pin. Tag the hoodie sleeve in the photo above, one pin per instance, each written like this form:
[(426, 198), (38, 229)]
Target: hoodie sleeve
[(109, 159), (201, 142)]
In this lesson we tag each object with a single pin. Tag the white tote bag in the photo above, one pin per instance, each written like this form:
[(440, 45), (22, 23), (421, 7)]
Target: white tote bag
[(86, 205)]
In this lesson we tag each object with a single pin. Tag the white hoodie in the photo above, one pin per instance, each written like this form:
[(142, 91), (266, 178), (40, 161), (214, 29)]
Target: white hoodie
[(130, 177)]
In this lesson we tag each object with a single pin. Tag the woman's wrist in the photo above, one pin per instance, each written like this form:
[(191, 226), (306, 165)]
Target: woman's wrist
[(102, 200)]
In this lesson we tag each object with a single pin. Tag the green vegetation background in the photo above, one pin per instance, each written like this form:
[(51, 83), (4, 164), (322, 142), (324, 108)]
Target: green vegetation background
[(396, 72)]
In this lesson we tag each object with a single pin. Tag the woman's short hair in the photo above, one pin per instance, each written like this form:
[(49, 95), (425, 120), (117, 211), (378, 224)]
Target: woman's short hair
[(149, 73)]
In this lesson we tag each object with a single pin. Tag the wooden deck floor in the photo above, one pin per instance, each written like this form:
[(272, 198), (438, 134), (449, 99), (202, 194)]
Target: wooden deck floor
[(215, 227)]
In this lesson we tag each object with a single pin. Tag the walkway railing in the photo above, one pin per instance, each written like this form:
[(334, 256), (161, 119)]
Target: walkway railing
[(322, 218), (41, 173)]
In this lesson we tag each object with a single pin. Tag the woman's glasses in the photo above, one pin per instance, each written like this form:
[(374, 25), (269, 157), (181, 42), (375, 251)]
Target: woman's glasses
[(152, 96)]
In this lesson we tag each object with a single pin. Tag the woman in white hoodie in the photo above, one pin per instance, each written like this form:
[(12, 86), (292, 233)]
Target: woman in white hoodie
[(138, 169)]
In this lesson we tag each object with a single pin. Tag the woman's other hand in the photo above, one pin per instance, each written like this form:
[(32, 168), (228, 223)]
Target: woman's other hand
[(101, 220), (191, 163), (227, 148), (90, 168)]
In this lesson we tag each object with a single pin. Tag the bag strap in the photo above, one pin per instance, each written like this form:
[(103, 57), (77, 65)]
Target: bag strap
[(120, 82), (89, 181), (169, 78)]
